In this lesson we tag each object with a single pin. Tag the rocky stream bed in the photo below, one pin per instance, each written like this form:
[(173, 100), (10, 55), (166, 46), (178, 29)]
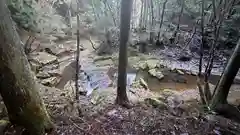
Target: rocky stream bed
[(162, 89)]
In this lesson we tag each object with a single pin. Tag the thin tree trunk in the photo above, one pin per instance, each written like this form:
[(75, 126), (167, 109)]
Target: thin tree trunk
[(201, 91), (227, 78), (145, 14), (207, 92), (141, 16), (152, 22), (162, 15), (105, 8), (110, 10), (94, 12), (77, 60), (201, 47), (118, 12), (17, 85), (179, 21), (126, 7), (217, 26)]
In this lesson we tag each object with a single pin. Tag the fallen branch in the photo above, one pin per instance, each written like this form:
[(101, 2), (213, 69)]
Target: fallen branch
[(92, 43)]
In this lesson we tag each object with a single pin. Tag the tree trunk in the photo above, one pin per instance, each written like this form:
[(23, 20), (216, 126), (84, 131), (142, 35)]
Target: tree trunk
[(223, 86), (141, 15), (126, 7), (17, 86), (111, 12), (178, 25), (145, 14), (152, 22), (162, 15)]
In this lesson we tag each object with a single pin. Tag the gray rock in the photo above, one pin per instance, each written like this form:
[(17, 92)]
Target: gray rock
[(107, 62), (34, 66), (42, 75), (153, 63), (52, 81), (43, 58), (156, 73), (156, 103), (3, 125)]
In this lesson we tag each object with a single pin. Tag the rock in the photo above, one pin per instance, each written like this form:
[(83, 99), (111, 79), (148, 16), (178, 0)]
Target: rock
[(112, 112), (70, 88), (34, 66), (61, 36), (54, 72), (43, 58), (132, 61), (184, 134), (42, 75), (101, 58), (50, 69), (156, 73), (161, 98), (60, 49), (52, 81), (180, 72), (168, 92), (195, 73), (156, 103), (104, 48), (3, 125), (67, 72), (152, 63), (3, 110), (96, 98), (143, 65), (107, 62), (144, 84), (174, 101)]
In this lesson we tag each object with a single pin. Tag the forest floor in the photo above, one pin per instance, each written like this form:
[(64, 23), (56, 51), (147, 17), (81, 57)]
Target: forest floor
[(162, 107)]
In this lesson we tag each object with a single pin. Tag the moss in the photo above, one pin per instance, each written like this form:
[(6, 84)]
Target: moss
[(17, 85)]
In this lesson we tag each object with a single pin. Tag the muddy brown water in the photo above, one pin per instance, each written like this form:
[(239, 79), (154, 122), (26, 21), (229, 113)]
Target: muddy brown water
[(168, 82), (172, 80)]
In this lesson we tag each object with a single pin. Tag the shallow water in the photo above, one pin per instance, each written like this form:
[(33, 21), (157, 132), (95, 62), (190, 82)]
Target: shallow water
[(168, 82)]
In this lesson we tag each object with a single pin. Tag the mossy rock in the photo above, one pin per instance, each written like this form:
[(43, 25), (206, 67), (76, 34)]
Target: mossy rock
[(142, 65), (156, 73), (101, 58), (156, 103), (153, 63), (3, 125), (132, 61)]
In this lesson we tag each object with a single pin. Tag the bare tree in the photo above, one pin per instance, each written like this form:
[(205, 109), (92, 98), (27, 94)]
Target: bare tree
[(152, 22), (223, 86), (145, 13), (141, 15), (162, 15), (94, 11), (126, 7), (201, 91), (179, 21), (17, 85), (77, 60)]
